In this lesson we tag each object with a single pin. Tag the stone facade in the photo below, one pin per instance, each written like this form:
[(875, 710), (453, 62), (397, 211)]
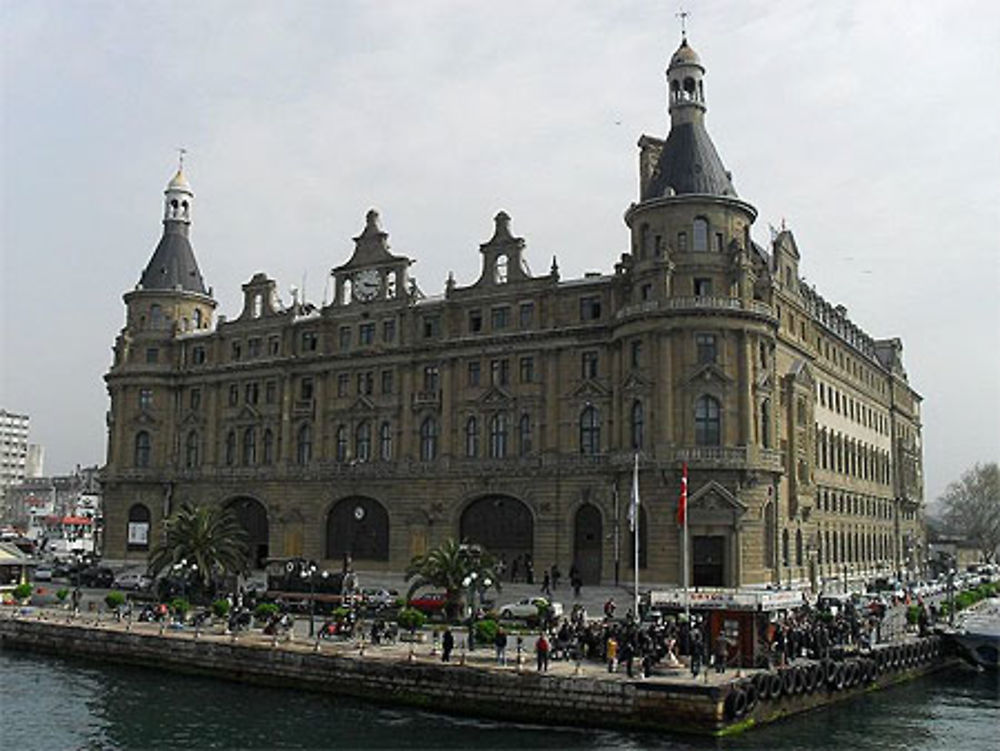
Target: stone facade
[(508, 412)]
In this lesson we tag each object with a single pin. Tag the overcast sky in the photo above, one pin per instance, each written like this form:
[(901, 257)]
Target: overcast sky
[(872, 128)]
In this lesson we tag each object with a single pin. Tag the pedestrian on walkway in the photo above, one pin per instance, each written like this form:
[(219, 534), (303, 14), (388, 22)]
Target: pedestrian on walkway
[(546, 585), (500, 642), (542, 652), (721, 653), (447, 644), (612, 653)]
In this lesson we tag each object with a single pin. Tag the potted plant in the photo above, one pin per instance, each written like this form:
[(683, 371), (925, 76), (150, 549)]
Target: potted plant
[(264, 612), (411, 619), (179, 606), (220, 608), (22, 592), (62, 594)]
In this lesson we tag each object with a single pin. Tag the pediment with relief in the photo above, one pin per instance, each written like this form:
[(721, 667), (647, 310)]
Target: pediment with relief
[(591, 388), (364, 404), (495, 395), (715, 497), (634, 382), (144, 418), (801, 374), (709, 373), (192, 419), (248, 414)]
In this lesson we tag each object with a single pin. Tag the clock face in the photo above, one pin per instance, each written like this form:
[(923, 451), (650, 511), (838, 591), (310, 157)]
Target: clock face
[(366, 284), (359, 513)]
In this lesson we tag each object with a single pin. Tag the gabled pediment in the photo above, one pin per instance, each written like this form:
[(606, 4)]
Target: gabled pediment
[(495, 395), (801, 373), (192, 419), (634, 382), (364, 403), (707, 374), (591, 388), (248, 414), (714, 496), (144, 418), (764, 381)]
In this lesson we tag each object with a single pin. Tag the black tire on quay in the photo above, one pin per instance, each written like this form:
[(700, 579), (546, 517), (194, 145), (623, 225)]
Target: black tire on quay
[(760, 684), (775, 685), (788, 681), (829, 672), (752, 694), (811, 675), (838, 682), (800, 679), (736, 704)]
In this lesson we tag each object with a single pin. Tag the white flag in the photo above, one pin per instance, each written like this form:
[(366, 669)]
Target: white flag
[(633, 507)]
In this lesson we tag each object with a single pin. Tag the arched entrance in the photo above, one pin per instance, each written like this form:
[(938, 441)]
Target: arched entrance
[(252, 516), (357, 527), (588, 537), (502, 525)]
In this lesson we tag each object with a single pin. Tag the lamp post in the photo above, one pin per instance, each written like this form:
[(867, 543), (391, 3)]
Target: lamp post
[(951, 597), (309, 572), (470, 582)]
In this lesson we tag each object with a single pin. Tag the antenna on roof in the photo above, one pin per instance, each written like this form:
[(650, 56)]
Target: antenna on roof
[(181, 151)]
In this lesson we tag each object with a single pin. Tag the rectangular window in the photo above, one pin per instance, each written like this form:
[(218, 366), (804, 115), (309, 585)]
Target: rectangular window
[(236, 351), (682, 241), (145, 398), (306, 389), (527, 369), (343, 381), (345, 338), (431, 376), (251, 392), (273, 346), (432, 327), (310, 341), (366, 334), (254, 346), (365, 384), (473, 373), (386, 381), (636, 353), (706, 346), (500, 372), (194, 399), (500, 317), (588, 365), (590, 308), (152, 355), (475, 321), (234, 395), (388, 331), (646, 291), (718, 242), (270, 392), (702, 287), (527, 315), (198, 355)]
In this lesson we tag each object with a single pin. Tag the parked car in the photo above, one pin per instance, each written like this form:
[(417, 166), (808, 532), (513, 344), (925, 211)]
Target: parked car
[(97, 576), (528, 608), (378, 598), (430, 603), (43, 572), (135, 580)]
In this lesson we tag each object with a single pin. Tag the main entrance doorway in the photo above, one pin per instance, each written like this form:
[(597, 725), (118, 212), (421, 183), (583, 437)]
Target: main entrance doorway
[(252, 516), (708, 561), (502, 525), (587, 543)]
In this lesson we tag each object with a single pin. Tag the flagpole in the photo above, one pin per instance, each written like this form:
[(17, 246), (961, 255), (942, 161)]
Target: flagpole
[(684, 545), (635, 532)]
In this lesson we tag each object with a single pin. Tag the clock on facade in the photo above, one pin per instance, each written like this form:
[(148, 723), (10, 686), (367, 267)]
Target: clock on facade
[(366, 285), (359, 513)]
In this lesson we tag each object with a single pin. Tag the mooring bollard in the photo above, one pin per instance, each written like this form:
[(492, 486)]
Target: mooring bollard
[(163, 627), (576, 670), (361, 647), (434, 645), (316, 645), (274, 640)]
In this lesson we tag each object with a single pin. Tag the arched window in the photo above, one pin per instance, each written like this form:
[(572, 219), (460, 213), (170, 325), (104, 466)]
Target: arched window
[(428, 439), (498, 436), (268, 446), (142, 449), (197, 318), (385, 442), (303, 444), (590, 431), (798, 547), (524, 434), (699, 235), (706, 422), (137, 534), (769, 534), (363, 442), (784, 547), (230, 448), (819, 548), (637, 425), (155, 316), (472, 437), (340, 449), (643, 241), (500, 270), (191, 450), (249, 447)]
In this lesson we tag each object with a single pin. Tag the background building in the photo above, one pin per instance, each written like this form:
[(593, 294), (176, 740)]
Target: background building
[(18, 458), (508, 412)]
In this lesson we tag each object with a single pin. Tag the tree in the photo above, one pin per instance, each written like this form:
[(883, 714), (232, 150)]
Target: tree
[(208, 538), (972, 507), (450, 567)]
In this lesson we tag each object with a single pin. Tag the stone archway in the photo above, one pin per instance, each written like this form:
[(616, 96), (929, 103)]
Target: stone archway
[(503, 525), (357, 529), (588, 538), (252, 516)]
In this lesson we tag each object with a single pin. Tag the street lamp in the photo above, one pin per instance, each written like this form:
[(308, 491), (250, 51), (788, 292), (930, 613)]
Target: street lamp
[(951, 597), (309, 572), (470, 582)]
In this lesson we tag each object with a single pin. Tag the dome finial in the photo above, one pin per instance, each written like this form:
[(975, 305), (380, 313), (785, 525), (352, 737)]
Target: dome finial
[(683, 14)]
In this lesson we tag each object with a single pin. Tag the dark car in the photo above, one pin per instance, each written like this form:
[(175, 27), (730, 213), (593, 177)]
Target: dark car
[(96, 576)]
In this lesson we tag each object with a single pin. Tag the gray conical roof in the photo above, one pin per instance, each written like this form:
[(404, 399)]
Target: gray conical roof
[(689, 163), (173, 265)]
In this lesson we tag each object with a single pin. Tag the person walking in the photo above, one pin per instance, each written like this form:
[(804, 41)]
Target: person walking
[(547, 585), (447, 644), (542, 652), (500, 642), (721, 653), (612, 653)]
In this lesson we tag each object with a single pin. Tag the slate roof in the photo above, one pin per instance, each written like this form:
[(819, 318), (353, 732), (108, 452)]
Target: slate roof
[(689, 163), (173, 264)]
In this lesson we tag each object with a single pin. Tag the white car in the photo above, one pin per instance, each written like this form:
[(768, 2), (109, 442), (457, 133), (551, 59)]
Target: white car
[(131, 580), (528, 608)]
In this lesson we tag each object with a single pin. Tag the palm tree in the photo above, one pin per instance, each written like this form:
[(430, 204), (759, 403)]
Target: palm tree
[(208, 538), (453, 566)]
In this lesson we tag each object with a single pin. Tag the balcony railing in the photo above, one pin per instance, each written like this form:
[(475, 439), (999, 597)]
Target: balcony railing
[(697, 302)]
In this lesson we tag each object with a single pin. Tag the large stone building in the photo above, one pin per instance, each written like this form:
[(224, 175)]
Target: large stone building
[(508, 411)]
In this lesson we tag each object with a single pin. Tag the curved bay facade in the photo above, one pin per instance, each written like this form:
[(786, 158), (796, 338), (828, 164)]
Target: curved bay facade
[(508, 411)]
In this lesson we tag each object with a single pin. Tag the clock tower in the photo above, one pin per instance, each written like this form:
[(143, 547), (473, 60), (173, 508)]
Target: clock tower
[(372, 274)]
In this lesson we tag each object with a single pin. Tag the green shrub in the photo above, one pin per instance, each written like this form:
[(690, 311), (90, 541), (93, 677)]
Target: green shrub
[(486, 631), (23, 591), (114, 600), (341, 613), (265, 611), (411, 619), (62, 594), (220, 608), (179, 606)]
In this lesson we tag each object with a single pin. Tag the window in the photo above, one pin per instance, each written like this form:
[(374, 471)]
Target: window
[(431, 378), (706, 422), (702, 287), (798, 547), (800, 411), (388, 331), (343, 384), (138, 527), (524, 434), (258, 305), (432, 327), (194, 399), (682, 241), (366, 383), (705, 344), (198, 355), (251, 391), (344, 338), (636, 353), (588, 365), (527, 369), (249, 447), (643, 241), (254, 347), (268, 446), (273, 346), (234, 395), (236, 351), (472, 438), (306, 389), (498, 436), (340, 444), (473, 371), (198, 318), (475, 321), (645, 292), (500, 372), (152, 355), (385, 442), (428, 439), (386, 381), (718, 242), (145, 398), (590, 432), (366, 334), (590, 308), (765, 425), (270, 392), (230, 448), (363, 442), (699, 235), (784, 547), (191, 450), (500, 318), (303, 444), (527, 314), (500, 270), (637, 425)]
